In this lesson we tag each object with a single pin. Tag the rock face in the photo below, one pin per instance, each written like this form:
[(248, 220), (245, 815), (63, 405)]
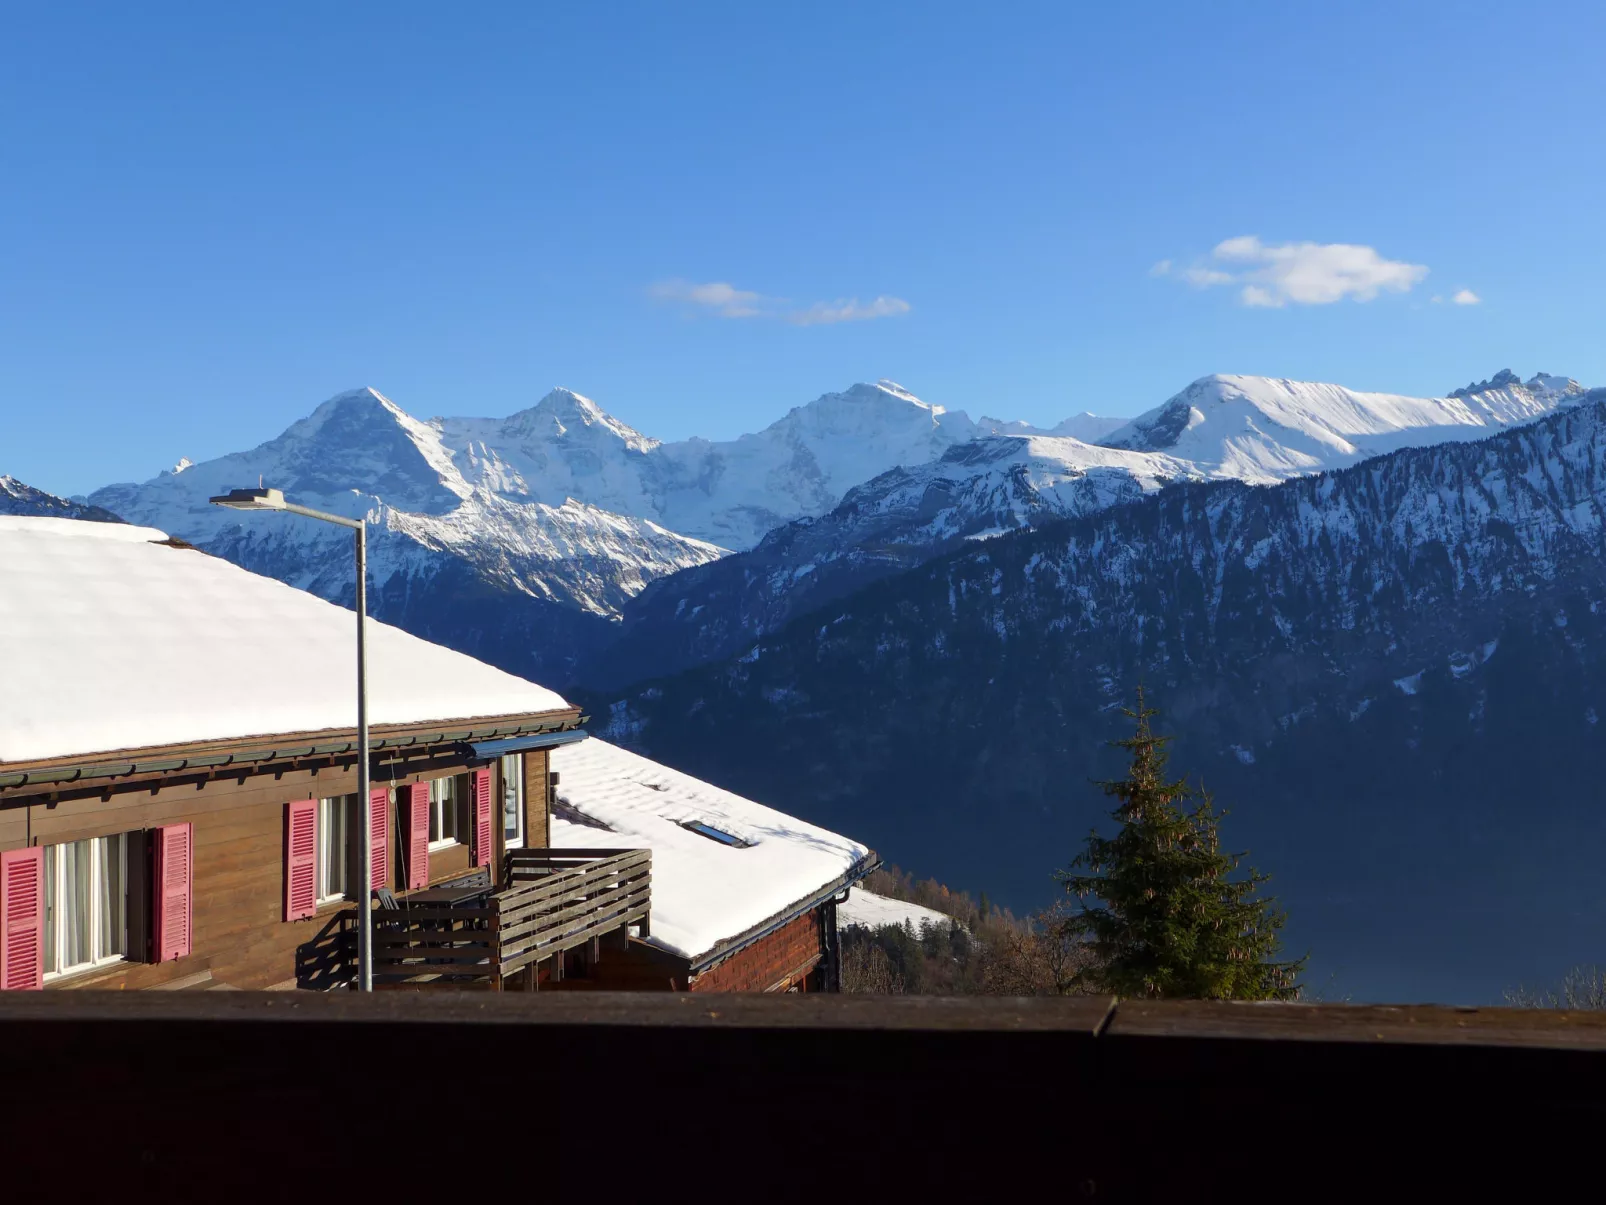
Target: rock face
[(17, 498), (1393, 674), (901, 519)]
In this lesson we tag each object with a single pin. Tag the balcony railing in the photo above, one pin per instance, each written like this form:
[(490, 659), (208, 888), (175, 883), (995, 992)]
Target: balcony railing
[(555, 900)]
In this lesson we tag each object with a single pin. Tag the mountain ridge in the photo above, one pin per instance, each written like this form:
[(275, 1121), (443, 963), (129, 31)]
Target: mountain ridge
[(1382, 669)]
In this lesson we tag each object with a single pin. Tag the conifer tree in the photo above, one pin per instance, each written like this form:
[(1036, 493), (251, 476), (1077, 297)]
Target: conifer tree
[(1170, 917)]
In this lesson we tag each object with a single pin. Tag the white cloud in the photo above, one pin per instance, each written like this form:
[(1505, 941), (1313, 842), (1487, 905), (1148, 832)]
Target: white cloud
[(1466, 297), (821, 313), (1272, 275), (1161, 269), (724, 299), (727, 301)]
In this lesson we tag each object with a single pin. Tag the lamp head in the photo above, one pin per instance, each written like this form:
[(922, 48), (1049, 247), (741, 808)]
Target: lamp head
[(251, 499)]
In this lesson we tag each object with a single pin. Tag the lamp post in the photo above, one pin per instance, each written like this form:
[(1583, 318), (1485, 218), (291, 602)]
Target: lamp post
[(271, 499)]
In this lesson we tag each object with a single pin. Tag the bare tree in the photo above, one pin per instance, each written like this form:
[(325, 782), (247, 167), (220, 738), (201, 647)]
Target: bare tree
[(867, 969), (1582, 987), (1039, 958)]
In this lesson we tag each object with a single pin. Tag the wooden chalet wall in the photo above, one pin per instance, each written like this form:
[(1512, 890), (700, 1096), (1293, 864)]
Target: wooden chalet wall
[(240, 935), (783, 961), (786, 960)]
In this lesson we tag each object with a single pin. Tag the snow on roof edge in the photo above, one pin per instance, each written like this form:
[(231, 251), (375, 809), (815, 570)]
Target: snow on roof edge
[(709, 898)]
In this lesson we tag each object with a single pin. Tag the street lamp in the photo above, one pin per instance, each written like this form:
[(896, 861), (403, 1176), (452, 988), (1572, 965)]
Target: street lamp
[(271, 499)]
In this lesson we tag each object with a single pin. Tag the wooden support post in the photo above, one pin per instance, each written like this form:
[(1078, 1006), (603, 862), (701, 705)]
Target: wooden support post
[(495, 926)]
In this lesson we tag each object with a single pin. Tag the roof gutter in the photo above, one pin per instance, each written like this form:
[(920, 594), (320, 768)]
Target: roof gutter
[(827, 894), (60, 775), (526, 744)]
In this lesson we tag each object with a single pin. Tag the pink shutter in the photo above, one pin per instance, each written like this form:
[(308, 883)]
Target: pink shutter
[(379, 833), (483, 833), (22, 919), (175, 891), (300, 859), (418, 835)]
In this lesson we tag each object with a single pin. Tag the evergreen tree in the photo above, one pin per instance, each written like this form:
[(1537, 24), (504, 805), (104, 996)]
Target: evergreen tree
[(1170, 920)]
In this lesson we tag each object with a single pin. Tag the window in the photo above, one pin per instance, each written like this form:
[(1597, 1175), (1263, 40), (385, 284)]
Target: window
[(715, 834), (86, 903), (334, 846), (513, 801), (448, 808)]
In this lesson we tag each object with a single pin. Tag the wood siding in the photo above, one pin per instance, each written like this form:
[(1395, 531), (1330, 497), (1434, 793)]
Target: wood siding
[(777, 963), (240, 935), (786, 959)]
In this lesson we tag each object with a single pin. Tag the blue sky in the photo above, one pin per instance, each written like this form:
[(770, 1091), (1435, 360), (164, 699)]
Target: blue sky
[(216, 216)]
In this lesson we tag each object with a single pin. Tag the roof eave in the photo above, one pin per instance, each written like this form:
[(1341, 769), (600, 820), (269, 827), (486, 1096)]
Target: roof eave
[(735, 945), (287, 747)]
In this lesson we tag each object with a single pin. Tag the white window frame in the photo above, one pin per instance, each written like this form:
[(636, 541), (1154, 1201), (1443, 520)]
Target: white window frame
[(437, 814), (326, 807), (96, 937), (512, 773)]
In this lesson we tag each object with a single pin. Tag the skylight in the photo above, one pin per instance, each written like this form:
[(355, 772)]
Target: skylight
[(714, 834)]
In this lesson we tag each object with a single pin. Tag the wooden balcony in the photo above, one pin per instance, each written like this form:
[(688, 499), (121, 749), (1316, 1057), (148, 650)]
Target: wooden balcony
[(555, 900)]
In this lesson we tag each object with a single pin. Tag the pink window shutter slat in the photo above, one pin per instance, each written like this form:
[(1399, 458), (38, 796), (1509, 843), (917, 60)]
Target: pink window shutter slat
[(483, 833), (300, 859), (418, 835), (379, 830), (175, 891), (22, 919)]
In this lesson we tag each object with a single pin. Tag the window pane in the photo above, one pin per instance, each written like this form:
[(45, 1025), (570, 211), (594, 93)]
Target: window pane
[(52, 911), (449, 826), (435, 793), (332, 814), (513, 798), (111, 856), (75, 899)]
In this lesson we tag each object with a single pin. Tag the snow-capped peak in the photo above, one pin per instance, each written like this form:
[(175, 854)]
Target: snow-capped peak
[(1260, 429), (184, 462), (19, 498), (569, 411)]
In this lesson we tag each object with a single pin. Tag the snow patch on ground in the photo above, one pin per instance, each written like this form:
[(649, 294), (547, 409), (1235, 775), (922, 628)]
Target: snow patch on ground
[(871, 911)]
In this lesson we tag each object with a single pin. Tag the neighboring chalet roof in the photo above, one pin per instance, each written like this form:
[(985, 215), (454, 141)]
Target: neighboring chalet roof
[(111, 641), (707, 892)]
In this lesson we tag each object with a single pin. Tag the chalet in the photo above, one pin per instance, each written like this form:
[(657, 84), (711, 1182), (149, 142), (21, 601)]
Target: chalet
[(744, 898), (178, 776)]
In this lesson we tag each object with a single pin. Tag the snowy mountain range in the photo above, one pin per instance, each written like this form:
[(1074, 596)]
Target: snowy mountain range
[(486, 528), (1247, 428), (1391, 673), (19, 499)]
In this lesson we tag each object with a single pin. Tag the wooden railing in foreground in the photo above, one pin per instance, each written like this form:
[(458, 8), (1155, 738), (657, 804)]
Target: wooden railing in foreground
[(656, 1096), (557, 900)]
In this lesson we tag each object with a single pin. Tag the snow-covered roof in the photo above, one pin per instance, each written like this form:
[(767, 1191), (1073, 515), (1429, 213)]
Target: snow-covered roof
[(111, 641), (704, 891), (874, 911)]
